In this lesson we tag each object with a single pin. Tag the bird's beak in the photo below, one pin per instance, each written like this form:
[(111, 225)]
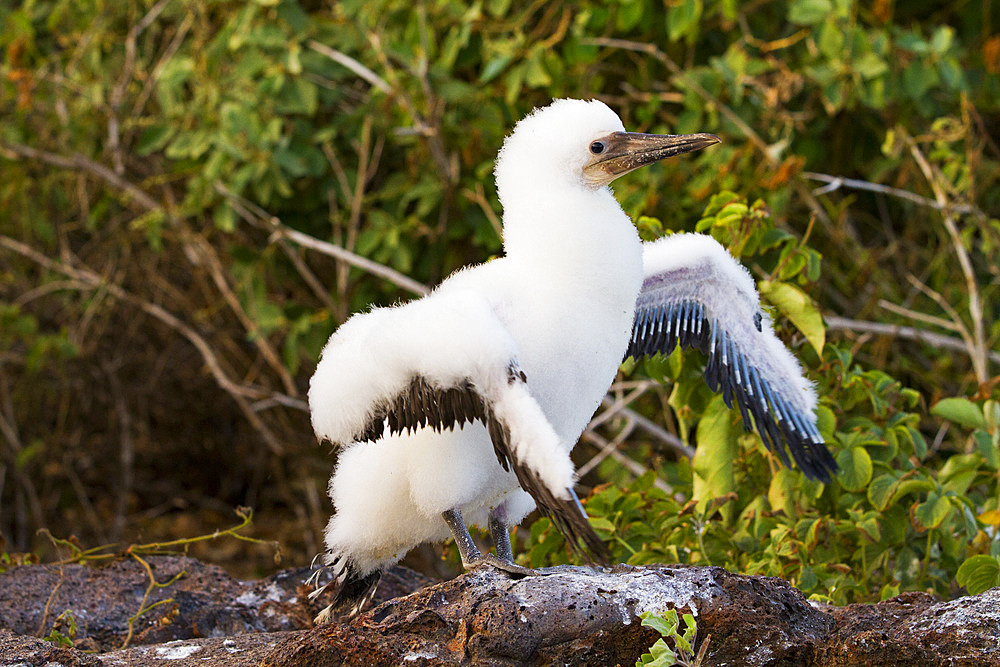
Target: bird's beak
[(627, 151)]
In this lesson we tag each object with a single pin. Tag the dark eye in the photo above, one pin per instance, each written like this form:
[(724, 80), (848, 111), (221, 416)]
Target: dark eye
[(597, 148)]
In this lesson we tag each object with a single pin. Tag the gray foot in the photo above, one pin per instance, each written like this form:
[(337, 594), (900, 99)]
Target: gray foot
[(471, 557), (501, 564)]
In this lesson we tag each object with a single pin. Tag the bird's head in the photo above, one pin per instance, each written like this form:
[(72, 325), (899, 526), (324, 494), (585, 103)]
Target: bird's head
[(583, 144)]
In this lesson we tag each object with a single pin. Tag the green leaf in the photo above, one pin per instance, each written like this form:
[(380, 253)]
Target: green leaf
[(26, 454), (809, 12), (153, 139), (870, 528), (831, 41), (188, 145), (682, 19), (991, 412), (971, 525), (494, 67), (601, 523), (855, 468), (799, 308), (911, 486), (961, 411), (535, 73), (783, 491), (665, 623), (660, 655), (919, 442), (959, 483), (714, 458), (870, 66), (297, 96), (931, 512), (880, 490), (888, 591), (979, 573), (988, 450), (919, 78), (629, 14), (690, 628), (942, 39)]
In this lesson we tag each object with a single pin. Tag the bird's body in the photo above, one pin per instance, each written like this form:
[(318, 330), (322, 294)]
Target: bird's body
[(570, 336), (565, 292), (466, 403)]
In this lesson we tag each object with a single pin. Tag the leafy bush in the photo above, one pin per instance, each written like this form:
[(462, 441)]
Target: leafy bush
[(660, 654), (189, 190), (889, 521)]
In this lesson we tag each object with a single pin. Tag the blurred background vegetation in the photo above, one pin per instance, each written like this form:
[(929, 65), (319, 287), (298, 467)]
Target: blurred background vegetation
[(193, 195)]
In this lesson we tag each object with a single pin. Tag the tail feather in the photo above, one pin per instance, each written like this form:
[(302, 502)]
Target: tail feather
[(350, 589)]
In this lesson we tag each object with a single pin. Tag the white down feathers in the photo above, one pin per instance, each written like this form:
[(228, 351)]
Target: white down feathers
[(446, 338)]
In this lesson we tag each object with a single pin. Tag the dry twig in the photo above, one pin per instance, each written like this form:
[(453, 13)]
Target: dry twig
[(259, 217), (836, 182), (633, 467), (650, 427), (240, 393), (834, 322), (977, 341), (762, 146)]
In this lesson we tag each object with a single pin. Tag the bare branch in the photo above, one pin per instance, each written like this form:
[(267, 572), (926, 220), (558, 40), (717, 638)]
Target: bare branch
[(834, 322), (977, 348), (126, 453), (765, 149), (77, 161), (172, 48), (920, 317), (620, 402), (652, 428), (204, 250), (118, 92), (478, 196), (836, 182), (307, 275), (238, 392), (633, 467), (353, 65), (607, 449), (257, 216)]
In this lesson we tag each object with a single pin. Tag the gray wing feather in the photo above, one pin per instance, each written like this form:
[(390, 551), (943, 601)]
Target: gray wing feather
[(696, 295)]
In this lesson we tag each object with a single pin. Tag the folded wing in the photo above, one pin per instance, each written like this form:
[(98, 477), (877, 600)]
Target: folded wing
[(696, 295), (437, 363)]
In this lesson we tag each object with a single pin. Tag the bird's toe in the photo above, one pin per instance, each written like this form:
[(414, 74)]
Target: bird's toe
[(505, 566)]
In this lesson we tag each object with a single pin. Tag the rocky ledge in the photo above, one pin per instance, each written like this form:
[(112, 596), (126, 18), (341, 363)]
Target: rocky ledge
[(571, 616)]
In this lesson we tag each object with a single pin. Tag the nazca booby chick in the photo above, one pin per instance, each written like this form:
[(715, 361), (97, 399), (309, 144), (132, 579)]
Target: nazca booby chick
[(463, 406)]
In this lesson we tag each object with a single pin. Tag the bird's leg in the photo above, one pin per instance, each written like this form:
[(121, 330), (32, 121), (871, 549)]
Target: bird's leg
[(466, 546), (501, 533), (470, 552)]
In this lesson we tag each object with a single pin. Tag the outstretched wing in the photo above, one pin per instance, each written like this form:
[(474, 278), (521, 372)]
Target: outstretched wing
[(695, 294), (443, 361)]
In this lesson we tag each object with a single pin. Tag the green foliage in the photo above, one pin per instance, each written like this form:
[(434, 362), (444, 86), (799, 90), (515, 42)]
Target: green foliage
[(149, 149), (12, 560), (979, 573), (63, 631), (892, 520), (660, 654), (21, 329)]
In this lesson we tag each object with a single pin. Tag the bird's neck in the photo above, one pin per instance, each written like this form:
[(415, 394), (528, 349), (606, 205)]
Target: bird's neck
[(577, 267), (576, 233)]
